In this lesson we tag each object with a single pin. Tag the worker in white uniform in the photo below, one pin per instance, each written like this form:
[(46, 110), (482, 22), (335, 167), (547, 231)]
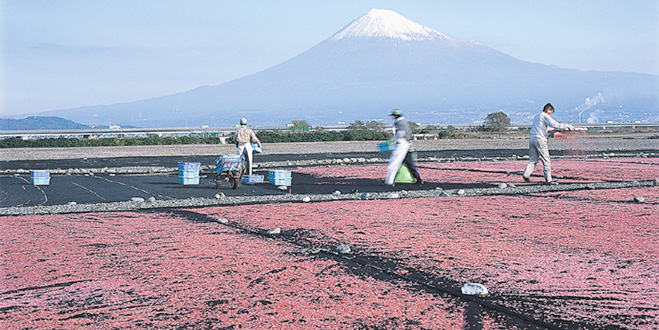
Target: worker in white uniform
[(402, 135), (244, 138), (543, 124)]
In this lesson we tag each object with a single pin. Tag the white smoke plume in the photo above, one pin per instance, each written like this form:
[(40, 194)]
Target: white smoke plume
[(589, 103)]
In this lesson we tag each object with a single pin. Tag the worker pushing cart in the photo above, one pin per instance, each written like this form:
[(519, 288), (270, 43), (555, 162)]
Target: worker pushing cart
[(232, 167)]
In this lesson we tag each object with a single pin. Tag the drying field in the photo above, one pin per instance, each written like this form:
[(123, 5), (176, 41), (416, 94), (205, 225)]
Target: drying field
[(563, 259)]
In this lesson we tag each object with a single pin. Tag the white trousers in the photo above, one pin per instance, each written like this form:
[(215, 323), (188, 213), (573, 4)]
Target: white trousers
[(396, 159), (246, 147), (538, 151)]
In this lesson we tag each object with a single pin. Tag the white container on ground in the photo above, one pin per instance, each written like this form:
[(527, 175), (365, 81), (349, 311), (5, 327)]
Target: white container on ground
[(188, 180), (40, 177), (474, 289), (188, 166)]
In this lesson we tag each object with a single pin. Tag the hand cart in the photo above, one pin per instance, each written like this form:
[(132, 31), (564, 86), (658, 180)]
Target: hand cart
[(232, 167)]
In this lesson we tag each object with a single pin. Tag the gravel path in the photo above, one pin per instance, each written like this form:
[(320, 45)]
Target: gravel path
[(222, 200), (598, 144)]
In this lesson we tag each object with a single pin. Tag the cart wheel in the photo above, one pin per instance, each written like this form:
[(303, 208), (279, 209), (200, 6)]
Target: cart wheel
[(216, 180), (234, 179)]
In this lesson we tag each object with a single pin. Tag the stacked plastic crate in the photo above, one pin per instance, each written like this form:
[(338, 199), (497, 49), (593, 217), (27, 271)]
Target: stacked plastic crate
[(228, 163), (280, 177), (40, 177), (188, 173)]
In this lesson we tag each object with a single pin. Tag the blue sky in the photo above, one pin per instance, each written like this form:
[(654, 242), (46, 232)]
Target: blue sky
[(57, 54)]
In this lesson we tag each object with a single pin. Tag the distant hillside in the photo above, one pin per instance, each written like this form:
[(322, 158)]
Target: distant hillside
[(38, 123)]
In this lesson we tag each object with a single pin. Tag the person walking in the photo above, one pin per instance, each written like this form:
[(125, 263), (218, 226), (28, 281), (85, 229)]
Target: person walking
[(403, 152), (244, 138), (538, 150)]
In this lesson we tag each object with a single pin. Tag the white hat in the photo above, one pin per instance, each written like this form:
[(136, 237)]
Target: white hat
[(243, 121)]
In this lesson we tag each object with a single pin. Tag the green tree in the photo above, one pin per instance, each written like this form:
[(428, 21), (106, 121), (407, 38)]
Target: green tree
[(415, 127), (373, 125), (357, 124), (496, 122), (300, 126), (451, 132)]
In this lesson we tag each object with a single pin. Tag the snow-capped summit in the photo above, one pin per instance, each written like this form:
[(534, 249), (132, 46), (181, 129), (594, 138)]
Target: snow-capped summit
[(383, 23)]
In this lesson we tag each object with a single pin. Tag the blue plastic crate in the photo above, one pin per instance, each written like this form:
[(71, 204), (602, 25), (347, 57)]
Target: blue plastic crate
[(228, 162), (279, 174), (280, 182), (225, 158), (252, 179), (279, 177), (386, 146), (40, 177), (188, 180), (188, 166), (40, 181), (40, 173), (188, 174), (256, 148)]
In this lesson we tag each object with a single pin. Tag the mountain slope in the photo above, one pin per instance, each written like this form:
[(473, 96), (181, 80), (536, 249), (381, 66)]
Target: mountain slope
[(39, 123), (383, 61)]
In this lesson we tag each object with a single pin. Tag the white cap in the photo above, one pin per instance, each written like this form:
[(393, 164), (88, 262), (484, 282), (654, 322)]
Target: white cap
[(243, 121)]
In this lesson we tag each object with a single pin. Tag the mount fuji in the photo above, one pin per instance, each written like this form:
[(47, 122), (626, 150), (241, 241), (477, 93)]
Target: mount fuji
[(383, 61)]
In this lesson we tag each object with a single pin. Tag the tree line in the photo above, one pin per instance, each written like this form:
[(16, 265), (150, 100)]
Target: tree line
[(300, 131)]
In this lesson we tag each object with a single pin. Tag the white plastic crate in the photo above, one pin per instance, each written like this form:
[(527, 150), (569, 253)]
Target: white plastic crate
[(188, 166), (40, 181), (188, 174), (40, 177), (188, 180)]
